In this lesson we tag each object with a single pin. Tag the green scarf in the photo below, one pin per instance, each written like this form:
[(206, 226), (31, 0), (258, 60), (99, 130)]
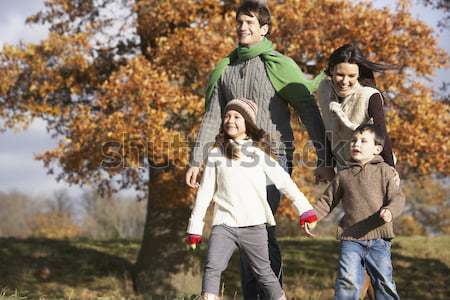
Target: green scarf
[(284, 74)]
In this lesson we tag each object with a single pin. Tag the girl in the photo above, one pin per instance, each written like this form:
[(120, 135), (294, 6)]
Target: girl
[(235, 179), (348, 98)]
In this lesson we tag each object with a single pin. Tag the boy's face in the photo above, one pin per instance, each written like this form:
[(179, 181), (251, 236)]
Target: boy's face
[(363, 147), (249, 31)]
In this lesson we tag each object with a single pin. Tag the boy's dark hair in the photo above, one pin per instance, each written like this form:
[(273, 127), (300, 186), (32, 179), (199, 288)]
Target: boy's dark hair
[(379, 136), (258, 10)]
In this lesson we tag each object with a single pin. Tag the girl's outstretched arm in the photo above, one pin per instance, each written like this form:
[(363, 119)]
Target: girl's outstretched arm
[(284, 183)]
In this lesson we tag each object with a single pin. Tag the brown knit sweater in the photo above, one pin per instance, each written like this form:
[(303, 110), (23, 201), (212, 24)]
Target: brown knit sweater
[(363, 191)]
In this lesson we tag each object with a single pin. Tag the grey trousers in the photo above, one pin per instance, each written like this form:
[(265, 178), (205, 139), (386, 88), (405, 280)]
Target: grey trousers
[(251, 242)]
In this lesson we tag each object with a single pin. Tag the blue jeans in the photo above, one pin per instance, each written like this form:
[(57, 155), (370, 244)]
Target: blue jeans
[(250, 287), (358, 256)]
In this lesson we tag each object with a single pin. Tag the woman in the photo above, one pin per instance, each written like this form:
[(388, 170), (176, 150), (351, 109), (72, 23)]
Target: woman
[(348, 98)]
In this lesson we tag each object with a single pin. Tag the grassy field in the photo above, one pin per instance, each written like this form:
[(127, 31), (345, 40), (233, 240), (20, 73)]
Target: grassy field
[(61, 269)]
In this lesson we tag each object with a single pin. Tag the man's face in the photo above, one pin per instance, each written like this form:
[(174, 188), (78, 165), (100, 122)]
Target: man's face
[(363, 148), (249, 31)]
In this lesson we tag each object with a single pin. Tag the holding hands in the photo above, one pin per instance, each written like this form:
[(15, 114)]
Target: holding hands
[(308, 221)]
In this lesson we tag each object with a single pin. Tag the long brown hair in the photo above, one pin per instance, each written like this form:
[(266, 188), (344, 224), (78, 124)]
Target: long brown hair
[(350, 53), (229, 148)]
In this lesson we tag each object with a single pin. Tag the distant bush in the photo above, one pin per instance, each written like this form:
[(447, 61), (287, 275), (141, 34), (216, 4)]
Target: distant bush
[(23, 216), (16, 209), (112, 218), (60, 216), (55, 225)]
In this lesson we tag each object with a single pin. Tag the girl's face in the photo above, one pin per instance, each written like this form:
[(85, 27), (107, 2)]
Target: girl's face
[(234, 125), (345, 76)]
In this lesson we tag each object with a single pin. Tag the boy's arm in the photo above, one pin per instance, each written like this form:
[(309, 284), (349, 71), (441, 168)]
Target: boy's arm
[(284, 183), (395, 199), (204, 197), (329, 199)]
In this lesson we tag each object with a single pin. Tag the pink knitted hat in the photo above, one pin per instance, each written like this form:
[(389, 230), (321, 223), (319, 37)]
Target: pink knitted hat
[(247, 108)]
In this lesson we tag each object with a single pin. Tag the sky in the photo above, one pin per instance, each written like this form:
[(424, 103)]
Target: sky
[(18, 168)]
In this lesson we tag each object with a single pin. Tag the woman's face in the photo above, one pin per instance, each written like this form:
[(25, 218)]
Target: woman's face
[(345, 76)]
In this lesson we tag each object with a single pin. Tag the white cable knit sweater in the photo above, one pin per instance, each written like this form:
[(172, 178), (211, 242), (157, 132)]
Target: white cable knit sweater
[(341, 118), (238, 189)]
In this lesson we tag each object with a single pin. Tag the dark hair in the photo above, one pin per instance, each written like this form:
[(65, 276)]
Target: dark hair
[(350, 53), (376, 130), (231, 151), (258, 10)]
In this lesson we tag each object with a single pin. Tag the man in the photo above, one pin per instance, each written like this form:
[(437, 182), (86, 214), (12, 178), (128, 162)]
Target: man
[(255, 71)]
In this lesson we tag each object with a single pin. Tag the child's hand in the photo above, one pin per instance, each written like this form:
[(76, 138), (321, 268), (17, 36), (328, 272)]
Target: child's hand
[(193, 240), (308, 221), (308, 227), (386, 215)]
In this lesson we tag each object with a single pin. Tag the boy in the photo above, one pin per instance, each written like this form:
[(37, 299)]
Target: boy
[(371, 197)]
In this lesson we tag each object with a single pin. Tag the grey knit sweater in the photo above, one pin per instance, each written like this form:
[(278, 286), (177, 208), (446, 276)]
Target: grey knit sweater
[(249, 79), (363, 191)]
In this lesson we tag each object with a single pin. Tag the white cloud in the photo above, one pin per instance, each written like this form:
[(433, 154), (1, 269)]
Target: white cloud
[(19, 170), (12, 24)]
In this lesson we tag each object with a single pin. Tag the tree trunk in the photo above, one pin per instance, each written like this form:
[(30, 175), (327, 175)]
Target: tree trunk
[(163, 253)]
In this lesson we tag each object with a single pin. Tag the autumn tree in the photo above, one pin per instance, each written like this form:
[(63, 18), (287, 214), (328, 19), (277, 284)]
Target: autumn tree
[(120, 85)]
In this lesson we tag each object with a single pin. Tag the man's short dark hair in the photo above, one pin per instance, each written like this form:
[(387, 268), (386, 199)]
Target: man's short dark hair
[(260, 11), (376, 130)]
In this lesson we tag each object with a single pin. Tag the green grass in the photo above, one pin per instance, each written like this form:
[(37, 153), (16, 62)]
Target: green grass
[(51, 269)]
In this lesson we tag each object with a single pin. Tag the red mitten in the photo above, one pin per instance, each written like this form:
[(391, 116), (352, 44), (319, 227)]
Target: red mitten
[(193, 240), (308, 217)]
